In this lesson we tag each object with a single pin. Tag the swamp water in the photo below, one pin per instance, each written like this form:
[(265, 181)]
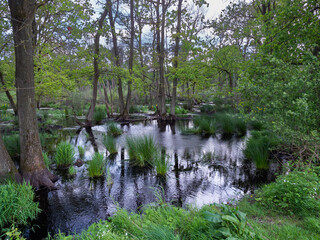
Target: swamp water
[(193, 179)]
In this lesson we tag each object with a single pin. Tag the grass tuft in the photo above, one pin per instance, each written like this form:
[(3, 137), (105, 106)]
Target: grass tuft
[(114, 130), (81, 152), (99, 114), (72, 171), (161, 165), (142, 150), (12, 143), (96, 166), (64, 154), (110, 144)]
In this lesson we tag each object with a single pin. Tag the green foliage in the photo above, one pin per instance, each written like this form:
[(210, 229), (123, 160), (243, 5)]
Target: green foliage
[(255, 125), (81, 152), (142, 150), (138, 109), (226, 124), (294, 193), (46, 160), (114, 130), (96, 166), (206, 108), (72, 171), (205, 125), (16, 204), (99, 114), (161, 165), (110, 144), (12, 143), (241, 126), (64, 154)]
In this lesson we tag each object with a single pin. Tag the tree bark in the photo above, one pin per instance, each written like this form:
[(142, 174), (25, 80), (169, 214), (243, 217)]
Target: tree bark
[(31, 161), (116, 54), (13, 105), (175, 61), (125, 113), (96, 67), (7, 167)]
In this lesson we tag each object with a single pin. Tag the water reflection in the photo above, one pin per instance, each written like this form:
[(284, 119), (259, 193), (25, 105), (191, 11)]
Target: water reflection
[(222, 176)]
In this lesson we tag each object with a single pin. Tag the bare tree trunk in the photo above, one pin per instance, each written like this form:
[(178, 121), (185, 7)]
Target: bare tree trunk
[(175, 61), (96, 67), (126, 110), (31, 161), (7, 167), (13, 105), (116, 54), (106, 99)]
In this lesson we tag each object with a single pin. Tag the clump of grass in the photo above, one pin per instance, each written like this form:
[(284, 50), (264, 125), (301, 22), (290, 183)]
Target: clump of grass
[(226, 124), (208, 157), (258, 147), (114, 130), (141, 150), (241, 127), (99, 114), (64, 154), (12, 143), (255, 125), (81, 152), (110, 144), (96, 166), (16, 204), (72, 171), (109, 178), (161, 165), (205, 125), (189, 131), (207, 108), (46, 160)]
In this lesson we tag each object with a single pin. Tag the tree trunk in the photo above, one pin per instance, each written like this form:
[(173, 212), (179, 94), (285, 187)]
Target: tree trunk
[(31, 161), (125, 113), (13, 105), (106, 99), (116, 54), (175, 61), (7, 167), (96, 67)]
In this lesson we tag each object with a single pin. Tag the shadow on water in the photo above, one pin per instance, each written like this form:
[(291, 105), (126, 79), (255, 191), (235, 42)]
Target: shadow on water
[(203, 171)]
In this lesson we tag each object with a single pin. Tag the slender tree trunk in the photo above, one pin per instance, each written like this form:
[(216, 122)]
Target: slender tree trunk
[(106, 99), (175, 61), (116, 54), (126, 110), (7, 167), (13, 105), (96, 66), (31, 161)]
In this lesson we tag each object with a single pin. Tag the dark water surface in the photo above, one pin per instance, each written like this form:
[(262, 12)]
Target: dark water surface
[(191, 180)]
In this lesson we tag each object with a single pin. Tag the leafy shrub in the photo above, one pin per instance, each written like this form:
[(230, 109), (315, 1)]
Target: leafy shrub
[(96, 166), (110, 144), (114, 130), (12, 143), (81, 152), (64, 154), (297, 192), (138, 109), (142, 150), (16, 204), (99, 114), (255, 125)]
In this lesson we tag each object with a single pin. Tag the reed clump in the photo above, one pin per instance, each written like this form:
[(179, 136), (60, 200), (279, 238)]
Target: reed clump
[(96, 166), (64, 155), (110, 144)]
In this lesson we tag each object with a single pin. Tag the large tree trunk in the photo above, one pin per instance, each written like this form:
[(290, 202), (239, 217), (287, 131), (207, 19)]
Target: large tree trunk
[(160, 50), (175, 61), (13, 105), (96, 67), (116, 54), (31, 161), (7, 167), (126, 110)]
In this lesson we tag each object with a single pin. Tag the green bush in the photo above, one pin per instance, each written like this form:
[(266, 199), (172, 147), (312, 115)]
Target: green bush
[(142, 150), (99, 114), (81, 152), (110, 144), (12, 143), (16, 204), (114, 130), (96, 166), (64, 154), (294, 193), (205, 125)]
